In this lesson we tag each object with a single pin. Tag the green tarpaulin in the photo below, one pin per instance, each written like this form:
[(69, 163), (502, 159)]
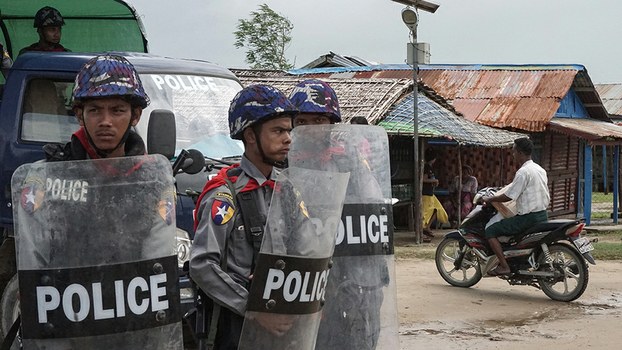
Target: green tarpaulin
[(90, 25)]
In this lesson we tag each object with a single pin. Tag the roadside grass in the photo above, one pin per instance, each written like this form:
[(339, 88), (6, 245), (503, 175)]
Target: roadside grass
[(422, 251), (599, 215), (607, 251), (601, 197), (609, 245)]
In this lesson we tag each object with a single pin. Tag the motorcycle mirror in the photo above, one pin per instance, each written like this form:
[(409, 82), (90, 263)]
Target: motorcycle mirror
[(161, 133), (195, 162)]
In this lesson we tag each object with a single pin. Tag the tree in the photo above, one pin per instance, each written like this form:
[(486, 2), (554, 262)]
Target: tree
[(266, 36)]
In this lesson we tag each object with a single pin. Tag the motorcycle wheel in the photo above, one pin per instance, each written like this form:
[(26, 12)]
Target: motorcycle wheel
[(573, 271), (9, 309), (469, 272)]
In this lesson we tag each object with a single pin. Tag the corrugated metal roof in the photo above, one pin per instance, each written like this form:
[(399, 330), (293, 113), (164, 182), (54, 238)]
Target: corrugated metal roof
[(611, 95), (525, 97), (594, 131), (332, 59)]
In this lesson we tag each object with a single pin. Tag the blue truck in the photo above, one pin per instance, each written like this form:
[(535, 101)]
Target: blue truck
[(35, 109)]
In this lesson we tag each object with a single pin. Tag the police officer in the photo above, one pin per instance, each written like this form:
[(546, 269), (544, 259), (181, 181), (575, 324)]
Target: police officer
[(222, 256), (354, 293), (74, 211), (49, 23)]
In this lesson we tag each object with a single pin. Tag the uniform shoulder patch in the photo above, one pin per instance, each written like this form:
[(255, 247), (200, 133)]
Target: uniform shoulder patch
[(222, 210)]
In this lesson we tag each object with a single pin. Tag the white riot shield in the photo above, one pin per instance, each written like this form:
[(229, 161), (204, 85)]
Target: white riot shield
[(361, 296), (96, 255), (289, 281)]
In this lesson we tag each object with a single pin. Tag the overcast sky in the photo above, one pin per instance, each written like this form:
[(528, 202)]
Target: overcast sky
[(461, 31)]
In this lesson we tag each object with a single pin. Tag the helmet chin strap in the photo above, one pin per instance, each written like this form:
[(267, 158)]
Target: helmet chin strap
[(281, 164)]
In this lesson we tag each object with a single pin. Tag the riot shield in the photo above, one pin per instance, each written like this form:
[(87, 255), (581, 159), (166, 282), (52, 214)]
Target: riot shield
[(361, 296), (289, 280), (96, 258)]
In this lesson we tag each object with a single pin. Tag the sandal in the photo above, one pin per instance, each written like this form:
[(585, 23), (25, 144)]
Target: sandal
[(426, 239), (428, 233)]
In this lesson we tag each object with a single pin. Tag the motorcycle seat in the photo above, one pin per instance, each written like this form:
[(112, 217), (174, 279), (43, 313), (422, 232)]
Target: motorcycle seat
[(544, 226), (550, 225)]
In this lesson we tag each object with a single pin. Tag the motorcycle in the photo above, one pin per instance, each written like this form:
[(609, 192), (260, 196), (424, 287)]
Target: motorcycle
[(550, 255)]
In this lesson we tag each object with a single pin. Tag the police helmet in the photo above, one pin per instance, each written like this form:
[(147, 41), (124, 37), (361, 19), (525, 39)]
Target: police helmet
[(48, 17), (109, 76), (316, 96), (256, 103)]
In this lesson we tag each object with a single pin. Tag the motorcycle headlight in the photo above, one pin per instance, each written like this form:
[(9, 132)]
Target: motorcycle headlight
[(183, 243)]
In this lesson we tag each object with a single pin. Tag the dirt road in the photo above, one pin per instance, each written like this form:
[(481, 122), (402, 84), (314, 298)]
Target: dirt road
[(495, 315)]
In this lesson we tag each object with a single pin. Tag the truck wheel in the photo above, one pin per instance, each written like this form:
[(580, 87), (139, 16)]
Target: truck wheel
[(7, 263), (9, 306)]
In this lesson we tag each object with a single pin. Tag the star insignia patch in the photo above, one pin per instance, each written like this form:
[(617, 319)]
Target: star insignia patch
[(222, 211)]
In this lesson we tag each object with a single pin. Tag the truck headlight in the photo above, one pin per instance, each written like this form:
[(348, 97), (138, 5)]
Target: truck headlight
[(183, 242)]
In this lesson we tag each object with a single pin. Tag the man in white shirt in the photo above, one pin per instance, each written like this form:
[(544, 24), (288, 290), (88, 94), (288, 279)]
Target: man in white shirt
[(530, 191)]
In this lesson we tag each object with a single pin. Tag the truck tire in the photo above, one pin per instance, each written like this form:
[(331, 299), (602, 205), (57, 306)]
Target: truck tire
[(9, 306), (8, 266)]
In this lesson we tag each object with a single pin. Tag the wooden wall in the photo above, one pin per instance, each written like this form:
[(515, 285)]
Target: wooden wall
[(558, 154)]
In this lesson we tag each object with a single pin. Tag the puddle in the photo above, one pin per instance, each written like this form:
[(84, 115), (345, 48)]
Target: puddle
[(605, 305), (515, 328)]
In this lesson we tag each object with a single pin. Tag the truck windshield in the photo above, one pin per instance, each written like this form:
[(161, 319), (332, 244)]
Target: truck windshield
[(201, 106)]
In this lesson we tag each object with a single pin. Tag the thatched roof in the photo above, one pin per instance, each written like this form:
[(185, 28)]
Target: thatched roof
[(389, 103)]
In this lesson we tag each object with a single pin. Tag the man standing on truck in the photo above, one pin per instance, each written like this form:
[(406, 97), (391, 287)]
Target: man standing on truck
[(49, 23), (223, 252)]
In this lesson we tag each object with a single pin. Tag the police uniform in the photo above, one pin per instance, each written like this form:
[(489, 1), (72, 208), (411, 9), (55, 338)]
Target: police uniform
[(220, 239)]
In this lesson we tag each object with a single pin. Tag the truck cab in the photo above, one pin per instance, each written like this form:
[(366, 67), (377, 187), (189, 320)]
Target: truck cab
[(35, 109)]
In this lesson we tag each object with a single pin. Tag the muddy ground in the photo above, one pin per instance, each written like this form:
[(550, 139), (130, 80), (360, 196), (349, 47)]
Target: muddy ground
[(495, 315)]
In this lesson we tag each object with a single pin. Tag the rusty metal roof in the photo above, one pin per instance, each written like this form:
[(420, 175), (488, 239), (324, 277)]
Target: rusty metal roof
[(523, 97), (611, 95), (436, 121), (596, 132)]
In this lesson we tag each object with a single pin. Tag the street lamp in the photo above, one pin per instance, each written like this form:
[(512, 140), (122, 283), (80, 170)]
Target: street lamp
[(420, 4), (410, 17)]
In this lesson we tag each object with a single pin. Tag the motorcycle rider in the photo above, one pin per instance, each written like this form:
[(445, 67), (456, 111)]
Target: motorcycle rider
[(223, 252), (351, 315), (49, 23), (530, 191)]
